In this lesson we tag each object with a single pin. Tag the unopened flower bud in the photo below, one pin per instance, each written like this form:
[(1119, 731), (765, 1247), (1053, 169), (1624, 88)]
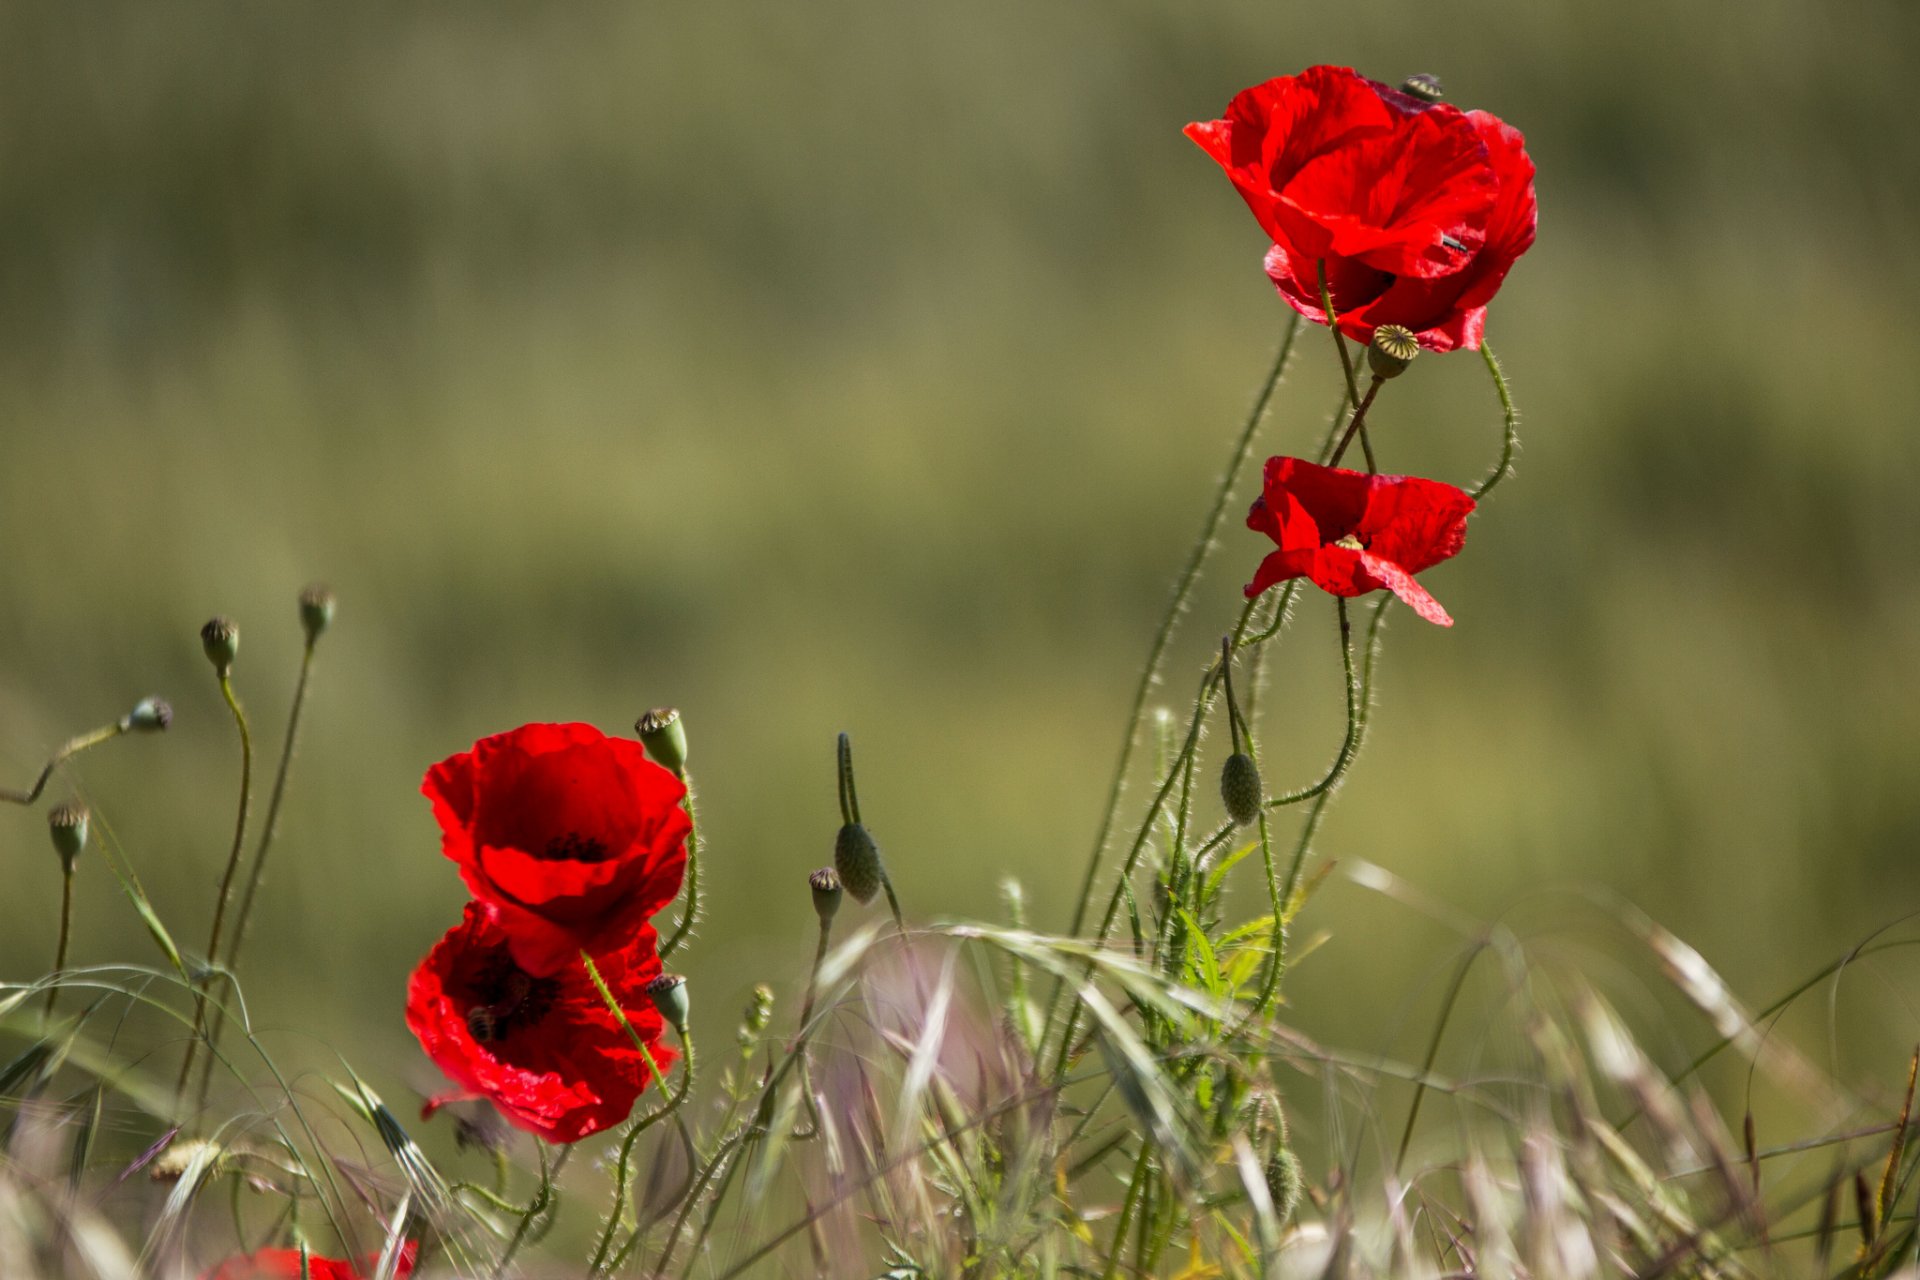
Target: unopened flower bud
[(221, 639), (669, 995), (67, 824), (1283, 1183), (316, 610), (1423, 86), (825, 884), (857, 858), (149, 715), (1240, 788), (1391, 351), (665, 737)]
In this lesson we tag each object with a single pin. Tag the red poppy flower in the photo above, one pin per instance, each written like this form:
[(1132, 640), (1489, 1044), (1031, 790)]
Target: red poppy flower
[(544, 1048), (576, 838), (1352, 533), (1417, 209), (284, 1264)]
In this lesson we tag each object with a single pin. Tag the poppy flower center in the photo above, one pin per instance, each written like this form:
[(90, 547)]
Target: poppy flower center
[(1352, 543), (574, 847), (505, 999)]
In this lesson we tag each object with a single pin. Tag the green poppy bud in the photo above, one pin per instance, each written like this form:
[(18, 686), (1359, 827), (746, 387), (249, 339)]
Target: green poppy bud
[(1240, 788), (1391, 351), (316, 610), (149, 715), (1283, 1183), (67, 824), (669, 995), (825, 884), (857, 858), (221, 640), (1423, 86), (665, 737)]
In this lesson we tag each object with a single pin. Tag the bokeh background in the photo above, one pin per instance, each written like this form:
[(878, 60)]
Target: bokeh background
[(867, 366)]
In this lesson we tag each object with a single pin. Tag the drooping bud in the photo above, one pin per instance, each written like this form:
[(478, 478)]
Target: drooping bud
[(149, 715), (857, 858), (1240, 788), (664, 736), (669, 995), (316, 609), (825, 884), (67, 824), (221, 640), (1391, 351), (1423, 86), (1283, 1183)]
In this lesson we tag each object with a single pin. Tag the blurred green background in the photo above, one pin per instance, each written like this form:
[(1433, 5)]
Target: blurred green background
[(867, 366)]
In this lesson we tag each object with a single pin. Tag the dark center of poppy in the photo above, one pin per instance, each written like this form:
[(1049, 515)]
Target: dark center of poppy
[(506, 999), (574, 847)]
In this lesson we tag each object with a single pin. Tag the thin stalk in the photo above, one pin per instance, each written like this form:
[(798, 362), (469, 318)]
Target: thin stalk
[(1183, 591), (226, 879), (1339, 339), (720, 1156), (692, 911), (1348, 749), (806, 1018), (1510, 429), (60, 948), (1135, 1188), (623, 1171), (72, 747), (542, 1200), (1358, 426)]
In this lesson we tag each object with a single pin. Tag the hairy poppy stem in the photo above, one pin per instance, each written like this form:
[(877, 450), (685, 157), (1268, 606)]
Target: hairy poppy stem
[(1135, 1189), (1169, 622), (1510, 429), (623, 1170), (1358, 426), (226, 879), (66, 930), (691, 912), (541, 1202), (1339, 339), (71, 748)]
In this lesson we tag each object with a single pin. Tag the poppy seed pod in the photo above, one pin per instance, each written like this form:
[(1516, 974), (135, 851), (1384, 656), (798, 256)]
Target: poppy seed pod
[(669, 995), (1240, 788), (1424, 87), (1391, 351), (825, 884), (857, 858), (67, 824), (221, 640), (1283, 1183), (665, 737), (316, 610), (149, 715)]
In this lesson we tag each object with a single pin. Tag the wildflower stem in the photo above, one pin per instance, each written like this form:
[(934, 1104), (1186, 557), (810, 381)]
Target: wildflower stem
[(541, 1202), (623, 1171), (60, 948), (691, 912), (1510, 429), (1135, 1189), (72, 747), (1183, 591), (1358, 425), (226, 879)]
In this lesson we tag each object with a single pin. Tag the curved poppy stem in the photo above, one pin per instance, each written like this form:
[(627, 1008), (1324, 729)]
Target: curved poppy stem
[(1358, 425), (691, 912), (541, 1202), (72, 747), (1339, 339), (226, 881), (60, 948), (1510, 430), (623, 1170)]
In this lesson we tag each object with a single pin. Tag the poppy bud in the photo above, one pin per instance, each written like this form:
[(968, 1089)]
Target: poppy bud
[(67, 824), (857, 858), (825, 884), (221, 639), (149, 715), (1283, 1183), (316, 609), (664, 737), (1391, 351), (1423, 86), (1240, 788), (669, 995)]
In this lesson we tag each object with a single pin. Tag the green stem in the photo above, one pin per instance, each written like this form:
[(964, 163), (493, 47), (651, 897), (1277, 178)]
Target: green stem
[(60, 948), (226, 879), (72, 747), (542, 1200), (623, 1171), (1510, 429), (692, 910), (1135, 1188), (1358, 426), (1339, 339)]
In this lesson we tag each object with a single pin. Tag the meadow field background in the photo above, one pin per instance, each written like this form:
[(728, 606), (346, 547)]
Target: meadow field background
[(867, 366)]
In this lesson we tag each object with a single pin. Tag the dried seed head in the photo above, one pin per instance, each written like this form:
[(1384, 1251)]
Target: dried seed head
[(171, 1165), (669, 995), (664, 736), (67, 824), (1240, 788), (857, 858), (221, 640), (316, 609), (1283, 1183), (149, 715), (825, 884), (1423, 86), (1391, 351)]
